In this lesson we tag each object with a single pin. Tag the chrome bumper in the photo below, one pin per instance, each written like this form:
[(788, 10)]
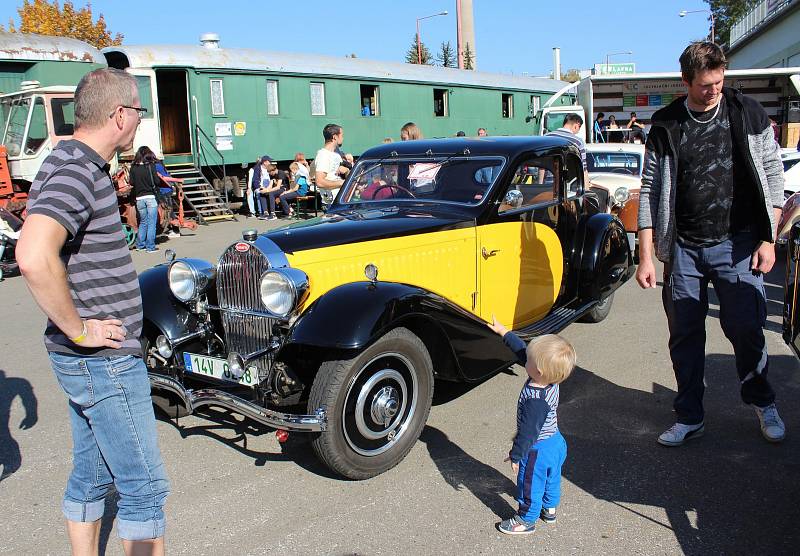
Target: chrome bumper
[(192, 399)]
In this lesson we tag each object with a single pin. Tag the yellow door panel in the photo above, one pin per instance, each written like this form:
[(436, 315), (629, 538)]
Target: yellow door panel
[(520, 266), (441, 262)]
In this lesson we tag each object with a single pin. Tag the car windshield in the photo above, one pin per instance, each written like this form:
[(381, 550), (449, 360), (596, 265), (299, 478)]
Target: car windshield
[(452, 180), (615, 162), (15, 116)]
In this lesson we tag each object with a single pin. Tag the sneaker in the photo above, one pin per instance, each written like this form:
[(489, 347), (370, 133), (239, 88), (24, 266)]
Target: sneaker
[(515, 526), (271, 217), (772, 426), (153, 250), (548, 515), (173, 234), (261, 217), (679, 433)]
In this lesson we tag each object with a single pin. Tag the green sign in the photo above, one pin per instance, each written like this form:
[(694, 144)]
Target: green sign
[(615, 69)]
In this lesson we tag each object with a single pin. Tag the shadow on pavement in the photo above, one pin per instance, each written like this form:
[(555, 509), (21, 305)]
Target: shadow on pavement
[(10, 389), (729, 492), (460, 470)]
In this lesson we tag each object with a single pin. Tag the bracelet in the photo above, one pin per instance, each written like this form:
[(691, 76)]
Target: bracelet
[(82, 337)]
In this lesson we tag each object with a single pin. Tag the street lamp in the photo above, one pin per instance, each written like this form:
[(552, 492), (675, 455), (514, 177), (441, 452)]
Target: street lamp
[(419, 53), (684, 13), (610, 54)]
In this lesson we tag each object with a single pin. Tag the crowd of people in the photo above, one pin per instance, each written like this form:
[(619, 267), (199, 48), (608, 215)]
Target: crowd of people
[(609, 131)]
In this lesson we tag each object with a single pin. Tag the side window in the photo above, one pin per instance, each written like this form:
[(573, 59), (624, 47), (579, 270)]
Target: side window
[(440, 103), (272, 97), (37, 130), (63, 110), (217, 98), (369, 100), (317, 99), (574, 176), (507, 105), (534, 183)]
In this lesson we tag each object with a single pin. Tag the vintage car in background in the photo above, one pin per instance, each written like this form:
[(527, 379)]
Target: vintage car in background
[(353, 315), (791, 190), (615, 174)]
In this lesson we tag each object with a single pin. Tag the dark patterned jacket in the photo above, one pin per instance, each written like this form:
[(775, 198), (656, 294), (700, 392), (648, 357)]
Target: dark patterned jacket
[(756, 159)]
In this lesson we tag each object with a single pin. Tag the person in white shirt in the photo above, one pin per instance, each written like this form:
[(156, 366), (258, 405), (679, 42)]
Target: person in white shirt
[(327, 163)]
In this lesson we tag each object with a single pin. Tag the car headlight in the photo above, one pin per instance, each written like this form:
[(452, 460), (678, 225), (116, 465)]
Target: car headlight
[(621, 194), (190, 278), (283, 290)]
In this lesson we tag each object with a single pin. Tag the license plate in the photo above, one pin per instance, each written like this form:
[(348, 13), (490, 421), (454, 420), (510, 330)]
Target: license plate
[(218, 368)]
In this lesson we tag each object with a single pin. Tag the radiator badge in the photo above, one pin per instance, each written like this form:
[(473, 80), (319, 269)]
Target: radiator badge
[(242, 247)]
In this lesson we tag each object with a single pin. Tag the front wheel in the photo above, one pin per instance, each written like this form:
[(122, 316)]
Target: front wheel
[(600, 311), (377, 404)]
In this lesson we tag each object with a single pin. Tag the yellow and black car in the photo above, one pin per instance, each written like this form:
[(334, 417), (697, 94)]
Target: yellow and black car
[(355, 314)]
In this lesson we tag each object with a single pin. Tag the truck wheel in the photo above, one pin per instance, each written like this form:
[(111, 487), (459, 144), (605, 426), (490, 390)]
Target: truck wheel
[(599, 311), (377, 404)]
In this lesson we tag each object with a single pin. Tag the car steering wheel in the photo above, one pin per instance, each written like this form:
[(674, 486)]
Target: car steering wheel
[(622, 171), (392, 186)]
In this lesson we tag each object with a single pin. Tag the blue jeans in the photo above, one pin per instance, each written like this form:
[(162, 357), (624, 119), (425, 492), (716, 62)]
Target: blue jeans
[(148, 218), (539, 477), (113, 442), (742, 315)]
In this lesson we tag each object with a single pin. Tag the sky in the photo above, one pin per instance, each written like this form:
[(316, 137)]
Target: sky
[(512, 36)]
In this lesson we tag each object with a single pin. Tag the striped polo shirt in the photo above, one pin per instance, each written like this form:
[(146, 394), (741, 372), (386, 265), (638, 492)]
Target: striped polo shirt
[(572, 138), (74, 189)]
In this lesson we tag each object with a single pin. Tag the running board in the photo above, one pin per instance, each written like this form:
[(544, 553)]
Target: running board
[(192, 399), (555, 322)]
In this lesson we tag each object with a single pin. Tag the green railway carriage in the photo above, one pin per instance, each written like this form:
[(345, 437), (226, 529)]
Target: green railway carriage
[(245, 103)]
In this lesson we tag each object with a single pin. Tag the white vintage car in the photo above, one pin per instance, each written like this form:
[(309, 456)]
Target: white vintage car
[(791, 171), (615, 175)]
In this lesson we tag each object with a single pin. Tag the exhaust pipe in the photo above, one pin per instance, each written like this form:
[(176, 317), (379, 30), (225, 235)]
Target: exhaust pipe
[(192, 399)]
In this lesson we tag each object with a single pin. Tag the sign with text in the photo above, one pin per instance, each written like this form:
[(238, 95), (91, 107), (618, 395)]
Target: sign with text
[(615, 69)]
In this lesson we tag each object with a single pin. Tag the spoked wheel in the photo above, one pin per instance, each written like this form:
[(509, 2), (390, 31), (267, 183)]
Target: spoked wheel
[(130, 235), (377, 404)]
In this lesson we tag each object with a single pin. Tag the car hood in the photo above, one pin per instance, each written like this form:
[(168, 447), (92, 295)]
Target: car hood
[(357, 225), (612, 181)]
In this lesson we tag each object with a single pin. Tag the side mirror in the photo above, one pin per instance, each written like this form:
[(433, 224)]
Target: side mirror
[(513, 199)]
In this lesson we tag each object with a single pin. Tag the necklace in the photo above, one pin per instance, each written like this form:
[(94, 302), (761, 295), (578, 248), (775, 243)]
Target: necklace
[(688, 111)]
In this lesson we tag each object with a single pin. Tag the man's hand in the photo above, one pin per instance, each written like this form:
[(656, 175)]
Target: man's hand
[(763, 257), (103, 333), (496, 327), (646, 273)]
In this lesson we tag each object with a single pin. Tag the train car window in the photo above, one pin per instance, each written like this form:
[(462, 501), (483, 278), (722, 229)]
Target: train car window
[(534, 106), (145, 95), (272, 97), (37, 129), (440, 103), (217, 98), (317, 99), (507, 105), (63, 110), (369, 100)]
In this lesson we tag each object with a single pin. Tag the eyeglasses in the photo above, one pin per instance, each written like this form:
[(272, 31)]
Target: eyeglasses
[(139, 111)]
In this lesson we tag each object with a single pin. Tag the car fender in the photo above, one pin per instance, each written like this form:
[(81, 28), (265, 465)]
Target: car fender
[(161, 309), (605, 261), (352, 316)]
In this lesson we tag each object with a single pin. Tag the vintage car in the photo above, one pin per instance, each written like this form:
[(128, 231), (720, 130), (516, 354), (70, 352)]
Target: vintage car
[(615, 174), (353, 315), (791, 190)]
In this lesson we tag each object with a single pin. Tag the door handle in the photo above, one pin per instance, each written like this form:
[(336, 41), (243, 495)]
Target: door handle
[(486, 253)]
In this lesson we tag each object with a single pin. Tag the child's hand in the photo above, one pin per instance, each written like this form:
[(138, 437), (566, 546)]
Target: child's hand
[(514, 466), (497, 328)]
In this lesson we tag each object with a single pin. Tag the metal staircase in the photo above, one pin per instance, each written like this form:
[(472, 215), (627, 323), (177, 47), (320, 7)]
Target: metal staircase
[(200, 199)]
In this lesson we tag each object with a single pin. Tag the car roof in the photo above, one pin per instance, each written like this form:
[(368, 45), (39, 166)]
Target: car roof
[(507, 146), (615, 148)]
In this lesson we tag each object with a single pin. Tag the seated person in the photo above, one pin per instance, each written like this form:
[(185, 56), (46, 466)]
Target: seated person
[(637, 129), (611, 126), (377, 189), (298, 185)]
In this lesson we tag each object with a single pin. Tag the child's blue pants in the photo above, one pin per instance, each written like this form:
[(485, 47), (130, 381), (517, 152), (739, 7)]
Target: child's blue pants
[(539, 478)]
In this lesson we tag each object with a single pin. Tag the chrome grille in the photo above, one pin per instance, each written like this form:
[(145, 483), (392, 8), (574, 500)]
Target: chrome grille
[(237, 290)]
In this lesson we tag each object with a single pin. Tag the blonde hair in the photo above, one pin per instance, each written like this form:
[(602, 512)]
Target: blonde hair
[(553, 356), (413, 130), (294, 166)]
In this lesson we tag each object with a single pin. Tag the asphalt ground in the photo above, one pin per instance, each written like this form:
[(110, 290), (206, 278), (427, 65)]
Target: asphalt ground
[(236, 490)]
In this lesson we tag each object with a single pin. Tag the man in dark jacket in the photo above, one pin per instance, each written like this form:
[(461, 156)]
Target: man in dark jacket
[(712, 191)]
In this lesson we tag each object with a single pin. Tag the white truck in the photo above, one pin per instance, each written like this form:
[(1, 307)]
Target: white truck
[(778, 90)]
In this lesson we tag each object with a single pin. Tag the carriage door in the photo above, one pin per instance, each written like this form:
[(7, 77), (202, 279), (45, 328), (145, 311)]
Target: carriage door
[(148, 133), (791, 308)]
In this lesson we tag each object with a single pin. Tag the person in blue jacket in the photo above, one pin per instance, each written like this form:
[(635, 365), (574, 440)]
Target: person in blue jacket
[(539, 450)]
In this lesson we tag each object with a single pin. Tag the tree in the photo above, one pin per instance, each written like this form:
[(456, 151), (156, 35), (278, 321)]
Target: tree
[(45, 18), (726, 13), (572, 75), (446, 56), (424, 53), (469, 58)]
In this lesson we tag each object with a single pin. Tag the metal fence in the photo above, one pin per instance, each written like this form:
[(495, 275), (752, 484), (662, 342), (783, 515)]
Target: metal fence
[(764, 11)]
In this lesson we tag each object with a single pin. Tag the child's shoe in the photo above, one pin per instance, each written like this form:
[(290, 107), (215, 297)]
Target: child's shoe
[(515, 526), (548, 515)]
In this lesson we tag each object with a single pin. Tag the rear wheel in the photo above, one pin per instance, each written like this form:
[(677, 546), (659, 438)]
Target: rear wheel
[(376, 403), (600, 311)]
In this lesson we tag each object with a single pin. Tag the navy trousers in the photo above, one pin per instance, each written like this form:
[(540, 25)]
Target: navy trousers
[(742, 314)]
